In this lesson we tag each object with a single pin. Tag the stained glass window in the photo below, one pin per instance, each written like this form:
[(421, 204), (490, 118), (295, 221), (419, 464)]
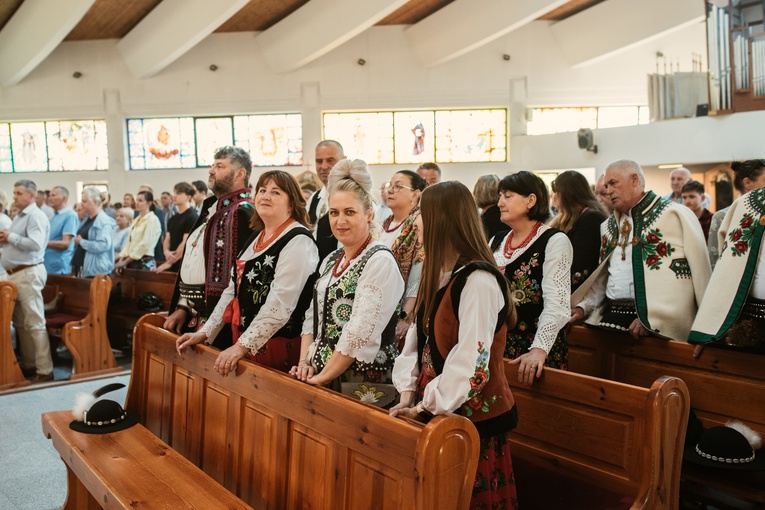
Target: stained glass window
[(6, 162), (471, 135), (367, 136), (28, 147), (77, 145), (212, 133), (161, 143), (271, 140), (414, 136)]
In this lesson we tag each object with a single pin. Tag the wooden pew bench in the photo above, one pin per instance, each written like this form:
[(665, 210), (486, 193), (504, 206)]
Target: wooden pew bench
[(268, 439), (124, 313), (591, 444), (723, 384), (79, 319), (10, 371)]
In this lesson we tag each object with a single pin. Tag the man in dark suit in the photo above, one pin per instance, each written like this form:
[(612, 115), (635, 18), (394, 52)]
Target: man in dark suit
[(328, 153)]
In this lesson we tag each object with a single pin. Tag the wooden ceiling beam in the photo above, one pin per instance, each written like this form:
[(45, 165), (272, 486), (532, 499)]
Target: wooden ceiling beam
[(319, 27), (463, 26), (170, 30), (34, 31)]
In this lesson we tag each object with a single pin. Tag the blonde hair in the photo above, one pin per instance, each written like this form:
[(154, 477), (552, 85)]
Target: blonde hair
[(353, 176)]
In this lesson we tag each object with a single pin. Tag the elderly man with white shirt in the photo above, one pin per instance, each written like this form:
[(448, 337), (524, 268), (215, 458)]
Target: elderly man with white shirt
[(24, 246)]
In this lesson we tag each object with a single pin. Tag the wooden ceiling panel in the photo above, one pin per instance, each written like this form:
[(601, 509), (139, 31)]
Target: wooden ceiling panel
[(7, 9), (414, 11), (569, 9), (111, 19), (258, 15)]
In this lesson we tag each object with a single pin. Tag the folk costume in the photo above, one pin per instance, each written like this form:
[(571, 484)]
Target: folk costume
[(453, 361), (318, 205), (539, 276), (267, 297), (733, 310), (220, 233), (353, 313), (402, 240), (654, 266)]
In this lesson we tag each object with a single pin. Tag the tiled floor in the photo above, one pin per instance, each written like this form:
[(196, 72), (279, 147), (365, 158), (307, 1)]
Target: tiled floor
[(32, 476)]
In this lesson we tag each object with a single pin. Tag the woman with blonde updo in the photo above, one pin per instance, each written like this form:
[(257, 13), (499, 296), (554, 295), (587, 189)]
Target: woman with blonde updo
[(348, 335)]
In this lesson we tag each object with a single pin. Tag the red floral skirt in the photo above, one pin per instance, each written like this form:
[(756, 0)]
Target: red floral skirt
[(279, 353)]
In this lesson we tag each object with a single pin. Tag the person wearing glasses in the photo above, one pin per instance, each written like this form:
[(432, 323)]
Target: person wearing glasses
[(403, 198), (747, 176), (732, 312), (579, 216)]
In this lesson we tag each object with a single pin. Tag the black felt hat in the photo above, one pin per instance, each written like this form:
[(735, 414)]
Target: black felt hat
[(734, 446), (101, 416)]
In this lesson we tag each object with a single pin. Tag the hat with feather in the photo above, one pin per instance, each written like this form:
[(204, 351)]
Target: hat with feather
[(733, 446), (93, 416)]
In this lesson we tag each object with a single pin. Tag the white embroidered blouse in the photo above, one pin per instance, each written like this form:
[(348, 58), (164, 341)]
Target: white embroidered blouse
[(297, 262)]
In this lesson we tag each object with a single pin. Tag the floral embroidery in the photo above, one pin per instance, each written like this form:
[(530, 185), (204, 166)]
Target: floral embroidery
[(368, 394), (655, 249), (475, 400), (741, 237), (608, 240), (269, 261), (523, 288)]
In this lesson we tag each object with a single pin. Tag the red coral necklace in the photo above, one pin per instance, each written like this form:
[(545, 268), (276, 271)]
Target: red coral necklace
[(263, 242), (508, 250), (347, 263)]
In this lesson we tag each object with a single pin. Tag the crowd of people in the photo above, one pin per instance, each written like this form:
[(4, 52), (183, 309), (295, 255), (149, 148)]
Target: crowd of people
[(411, 298)]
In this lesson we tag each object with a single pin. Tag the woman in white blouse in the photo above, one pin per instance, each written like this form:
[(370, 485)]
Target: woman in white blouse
[(403, 197), (452, 361), (537, 264), (138, 252), (270, 289), (348, 334)]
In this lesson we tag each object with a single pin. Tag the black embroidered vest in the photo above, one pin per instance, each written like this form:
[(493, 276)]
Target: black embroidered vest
[(256, 279)]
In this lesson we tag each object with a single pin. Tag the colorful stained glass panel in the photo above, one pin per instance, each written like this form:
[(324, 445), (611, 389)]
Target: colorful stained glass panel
[(471, 135), (271, 140), (161, 143), (415, 136), (212, 133), (28, 147), (77, 145)]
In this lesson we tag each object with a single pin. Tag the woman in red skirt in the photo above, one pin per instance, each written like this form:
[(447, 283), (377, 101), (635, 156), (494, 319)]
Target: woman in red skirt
[(452, 357)]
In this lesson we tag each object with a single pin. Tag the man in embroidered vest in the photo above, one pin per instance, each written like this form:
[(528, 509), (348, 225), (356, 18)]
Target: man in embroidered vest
[(218, 236), (733, 310), (328, 153), (654, 267)]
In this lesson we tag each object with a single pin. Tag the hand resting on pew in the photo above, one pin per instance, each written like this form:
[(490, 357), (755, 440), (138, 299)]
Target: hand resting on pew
[(530, 365), (175, 321), (636, 329)]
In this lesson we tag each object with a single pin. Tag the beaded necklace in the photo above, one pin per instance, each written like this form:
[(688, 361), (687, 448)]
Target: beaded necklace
[(387, 224), (347, 263), (508, 251), (262, 242)]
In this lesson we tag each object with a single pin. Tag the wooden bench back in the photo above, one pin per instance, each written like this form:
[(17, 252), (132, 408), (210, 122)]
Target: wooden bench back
[(723, 384), (136, 282), (10, 372), (74, 294), (621, 437), (279, 443)]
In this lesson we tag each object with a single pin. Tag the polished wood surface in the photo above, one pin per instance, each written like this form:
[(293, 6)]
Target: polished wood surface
[(124, 312), (279, 443), (10, 372), (610, 443), (723, 385), (86, 339), (130, 469)]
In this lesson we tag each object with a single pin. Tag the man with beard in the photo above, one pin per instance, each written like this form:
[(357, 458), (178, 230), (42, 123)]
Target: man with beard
[(218, 236), (654, 267), (328, 153)]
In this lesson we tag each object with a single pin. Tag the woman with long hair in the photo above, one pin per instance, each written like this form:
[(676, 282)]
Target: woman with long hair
[(269, 292), (452, 360), (138, 252), (579, 217), (403, 198), (128, 201), (348, 338), (537, 263)]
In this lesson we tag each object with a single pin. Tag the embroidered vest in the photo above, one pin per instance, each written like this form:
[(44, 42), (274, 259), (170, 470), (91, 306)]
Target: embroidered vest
[(254, 284), (490, 405), (338, 306)]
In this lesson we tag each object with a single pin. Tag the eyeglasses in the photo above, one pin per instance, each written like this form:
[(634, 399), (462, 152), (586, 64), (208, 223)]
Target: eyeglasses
[(395, 188)]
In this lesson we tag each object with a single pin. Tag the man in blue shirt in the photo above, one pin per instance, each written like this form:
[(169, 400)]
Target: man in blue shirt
[(63, 228)]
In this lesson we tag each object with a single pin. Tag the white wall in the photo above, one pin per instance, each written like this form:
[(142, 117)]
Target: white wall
[(391, 78)]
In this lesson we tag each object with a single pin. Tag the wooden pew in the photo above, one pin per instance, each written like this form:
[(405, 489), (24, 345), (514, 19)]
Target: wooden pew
[(10, 372), (724, 385), (587, 443), (81, 323), (124, 314), (278, 443)]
